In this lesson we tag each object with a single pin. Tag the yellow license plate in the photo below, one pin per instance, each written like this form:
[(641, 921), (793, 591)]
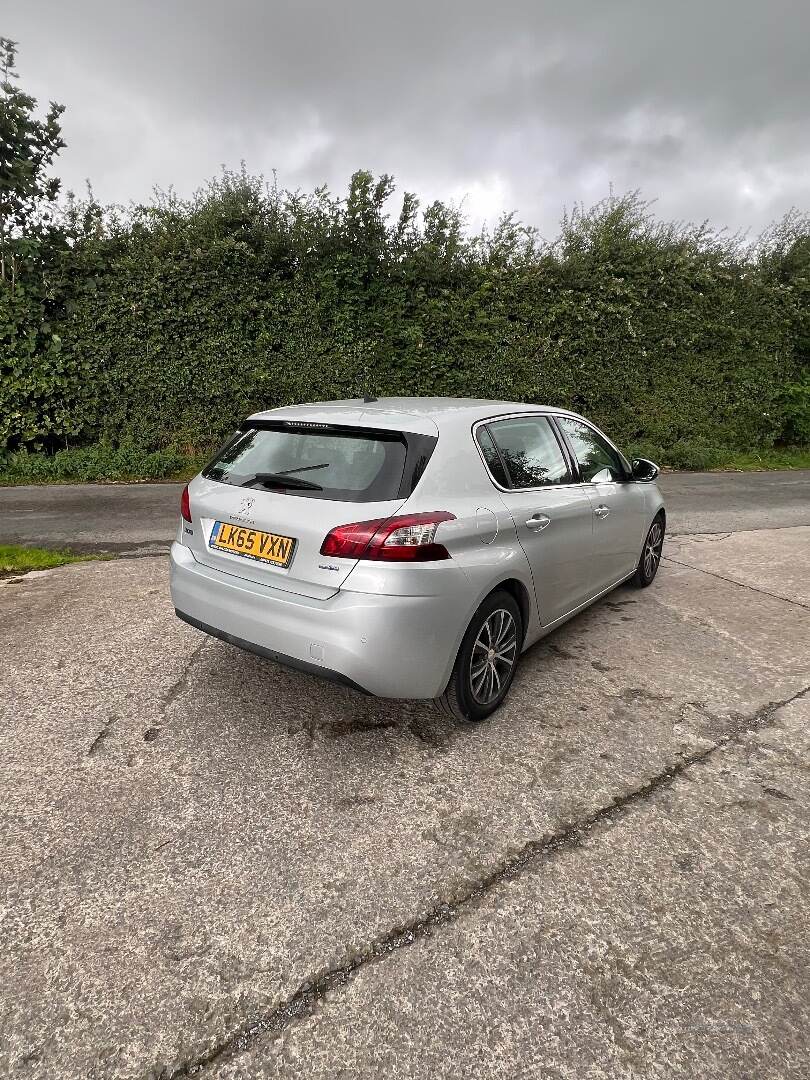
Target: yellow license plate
[(252, 543)]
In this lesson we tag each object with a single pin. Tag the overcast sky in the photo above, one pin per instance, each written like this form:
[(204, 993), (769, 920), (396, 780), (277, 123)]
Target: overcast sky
[(704, 105)]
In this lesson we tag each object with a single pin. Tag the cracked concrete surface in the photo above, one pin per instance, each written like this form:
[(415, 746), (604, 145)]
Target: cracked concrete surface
[(313, 991), (671, 941), (608, 878), (773, 561)]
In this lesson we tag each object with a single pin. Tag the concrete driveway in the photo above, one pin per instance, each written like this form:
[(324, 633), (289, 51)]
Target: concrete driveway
[(211, 865)]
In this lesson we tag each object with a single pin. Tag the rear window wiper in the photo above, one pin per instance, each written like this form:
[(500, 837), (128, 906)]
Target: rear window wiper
[(271, 479), (304, 468)]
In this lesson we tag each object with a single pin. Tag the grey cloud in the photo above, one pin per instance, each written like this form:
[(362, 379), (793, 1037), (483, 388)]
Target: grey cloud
[(526, 106)]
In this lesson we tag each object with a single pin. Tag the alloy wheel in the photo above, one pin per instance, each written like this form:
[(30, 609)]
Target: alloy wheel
[(652, 550), (493, 656)]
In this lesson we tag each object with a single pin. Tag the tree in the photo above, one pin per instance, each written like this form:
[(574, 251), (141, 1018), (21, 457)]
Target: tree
[(38, 390), (28, 146)]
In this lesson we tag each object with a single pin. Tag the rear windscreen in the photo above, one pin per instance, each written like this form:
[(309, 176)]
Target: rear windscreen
[(318, 462)]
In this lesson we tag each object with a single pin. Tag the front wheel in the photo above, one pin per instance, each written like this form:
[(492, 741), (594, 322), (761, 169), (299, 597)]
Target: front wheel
[(486, 660), (650, 554)]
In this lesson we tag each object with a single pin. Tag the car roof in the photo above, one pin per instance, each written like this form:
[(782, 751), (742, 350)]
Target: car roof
[(423, 413)]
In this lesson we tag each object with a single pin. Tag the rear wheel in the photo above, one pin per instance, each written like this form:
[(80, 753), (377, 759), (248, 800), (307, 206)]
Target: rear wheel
[(486, 660), (650, 554)]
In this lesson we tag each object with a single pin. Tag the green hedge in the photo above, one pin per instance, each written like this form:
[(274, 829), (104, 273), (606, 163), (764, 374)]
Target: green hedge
[(167, 324)]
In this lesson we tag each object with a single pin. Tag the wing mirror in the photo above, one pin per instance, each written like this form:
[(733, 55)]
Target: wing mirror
[(644, 470)]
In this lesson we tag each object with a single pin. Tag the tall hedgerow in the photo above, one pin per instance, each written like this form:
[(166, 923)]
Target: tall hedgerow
[(185, 315), (161, 325)]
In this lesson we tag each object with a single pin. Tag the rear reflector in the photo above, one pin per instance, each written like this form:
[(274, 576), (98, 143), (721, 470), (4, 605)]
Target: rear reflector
[(407, 538), (185, 504)]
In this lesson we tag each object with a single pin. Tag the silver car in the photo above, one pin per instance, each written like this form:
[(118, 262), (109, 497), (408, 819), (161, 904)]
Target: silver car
[(411, 547)]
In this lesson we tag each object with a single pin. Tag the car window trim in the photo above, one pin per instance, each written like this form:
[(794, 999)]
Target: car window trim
[(568, 451), (518, 416)]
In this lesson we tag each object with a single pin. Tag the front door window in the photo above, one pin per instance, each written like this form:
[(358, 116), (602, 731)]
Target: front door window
[(598, 461)]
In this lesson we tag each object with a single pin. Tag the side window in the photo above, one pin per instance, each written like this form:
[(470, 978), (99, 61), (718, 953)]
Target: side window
[(491, 457), (598, 461), (530, 452)]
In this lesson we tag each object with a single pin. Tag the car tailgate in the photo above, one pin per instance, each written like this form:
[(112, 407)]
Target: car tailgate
[(302, 520)]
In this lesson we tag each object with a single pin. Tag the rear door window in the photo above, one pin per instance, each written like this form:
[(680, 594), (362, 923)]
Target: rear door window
[(322, 461), (529, 451)]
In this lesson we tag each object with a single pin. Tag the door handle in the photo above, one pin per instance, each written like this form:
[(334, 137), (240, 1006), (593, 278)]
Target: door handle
[(601, 511), (537, 522)]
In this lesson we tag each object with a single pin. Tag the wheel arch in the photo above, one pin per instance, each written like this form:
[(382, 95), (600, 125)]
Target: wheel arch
[(512, 585), (520, 593)]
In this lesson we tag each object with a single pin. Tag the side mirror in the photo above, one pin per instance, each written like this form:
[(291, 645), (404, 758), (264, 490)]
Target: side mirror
[(644, 470)]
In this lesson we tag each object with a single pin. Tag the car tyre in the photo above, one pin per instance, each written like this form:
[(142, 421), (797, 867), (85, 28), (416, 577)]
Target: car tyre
[(650, 557), (486, 661)]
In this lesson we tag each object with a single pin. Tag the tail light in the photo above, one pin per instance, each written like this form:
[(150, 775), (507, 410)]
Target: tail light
[(407, 538), (185, 504)]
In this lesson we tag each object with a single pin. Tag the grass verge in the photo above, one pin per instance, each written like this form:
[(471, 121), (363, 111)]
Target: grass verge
[(15, 559), (99, 464), (697, 457), (794, 457)]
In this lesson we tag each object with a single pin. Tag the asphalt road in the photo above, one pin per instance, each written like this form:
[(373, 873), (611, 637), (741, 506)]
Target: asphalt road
[(214, 866), (142, 517)]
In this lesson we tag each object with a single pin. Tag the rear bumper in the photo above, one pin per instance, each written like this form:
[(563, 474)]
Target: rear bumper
[(269, 654), (391, 646)]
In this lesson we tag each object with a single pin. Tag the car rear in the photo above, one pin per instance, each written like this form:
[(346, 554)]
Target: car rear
[(275, 527)]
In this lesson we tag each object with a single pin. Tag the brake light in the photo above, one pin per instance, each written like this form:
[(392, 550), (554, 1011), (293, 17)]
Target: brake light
[(185, 504), (351, 541), (407, 538)]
